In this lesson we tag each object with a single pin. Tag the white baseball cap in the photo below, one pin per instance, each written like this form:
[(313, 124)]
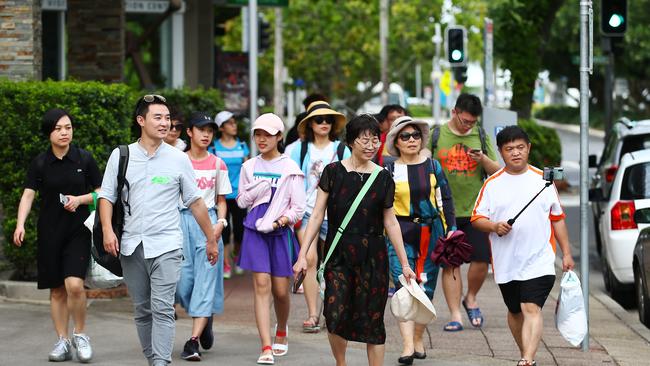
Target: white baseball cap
[(270, 123), (222, 117)]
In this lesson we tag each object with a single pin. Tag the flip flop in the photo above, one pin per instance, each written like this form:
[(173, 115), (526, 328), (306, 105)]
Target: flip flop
[(280, 349), (453, 327), (474, 314)]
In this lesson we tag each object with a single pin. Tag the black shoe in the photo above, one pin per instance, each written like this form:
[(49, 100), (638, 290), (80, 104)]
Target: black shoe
[(207, 337), (191, 351), (405, 360), (419, 355)]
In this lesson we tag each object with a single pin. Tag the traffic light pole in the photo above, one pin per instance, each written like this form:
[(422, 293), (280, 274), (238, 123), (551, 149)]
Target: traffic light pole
[(586, 68), (436, 74), (252, 67), (609, 84)]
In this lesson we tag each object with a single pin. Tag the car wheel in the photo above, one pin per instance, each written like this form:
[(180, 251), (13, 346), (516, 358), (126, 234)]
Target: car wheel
[(643, 302), (621, 293)]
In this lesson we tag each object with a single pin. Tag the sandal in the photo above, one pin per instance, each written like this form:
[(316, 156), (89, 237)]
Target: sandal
[(266, 358), (281, 349), (473, 315), (311, 324), (525, 362), (453, 327)]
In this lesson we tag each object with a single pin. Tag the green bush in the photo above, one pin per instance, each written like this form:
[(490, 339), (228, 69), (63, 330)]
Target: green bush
[(101, 122), (546, 148), (420, 110)]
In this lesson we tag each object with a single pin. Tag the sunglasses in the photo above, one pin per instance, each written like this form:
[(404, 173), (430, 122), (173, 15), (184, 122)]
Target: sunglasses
[(149, 98), (323, 119), (177, 127), (405, 136)]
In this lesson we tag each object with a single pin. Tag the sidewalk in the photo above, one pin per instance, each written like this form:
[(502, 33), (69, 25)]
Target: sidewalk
[(27, 335)]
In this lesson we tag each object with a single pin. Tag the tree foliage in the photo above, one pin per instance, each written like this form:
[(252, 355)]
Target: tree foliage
[(521, 32)]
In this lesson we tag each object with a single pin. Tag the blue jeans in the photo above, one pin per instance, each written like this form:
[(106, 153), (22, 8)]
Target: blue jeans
[(200, 289), (323, 228)]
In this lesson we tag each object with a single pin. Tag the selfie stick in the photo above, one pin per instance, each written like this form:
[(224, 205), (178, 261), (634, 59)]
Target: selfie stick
[(512, 220)]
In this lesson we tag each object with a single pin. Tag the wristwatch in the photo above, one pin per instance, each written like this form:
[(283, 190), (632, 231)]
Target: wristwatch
[(224, 222)]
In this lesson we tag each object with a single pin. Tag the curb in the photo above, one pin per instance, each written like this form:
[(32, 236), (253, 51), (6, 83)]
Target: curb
[(24, 291), (569, 128)]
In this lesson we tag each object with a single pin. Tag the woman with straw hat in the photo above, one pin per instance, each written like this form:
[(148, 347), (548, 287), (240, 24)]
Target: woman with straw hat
[(424, 210), (318, 147)]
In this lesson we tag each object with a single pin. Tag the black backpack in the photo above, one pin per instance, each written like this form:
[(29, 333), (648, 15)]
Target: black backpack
[(435, 135), (340, 151), (100, 255)]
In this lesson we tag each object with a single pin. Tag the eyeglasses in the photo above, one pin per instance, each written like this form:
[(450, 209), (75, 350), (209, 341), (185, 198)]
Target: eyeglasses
[(177, 127), (149, 98), (463, 121), (366, 142), (405, 136), (323, 119)]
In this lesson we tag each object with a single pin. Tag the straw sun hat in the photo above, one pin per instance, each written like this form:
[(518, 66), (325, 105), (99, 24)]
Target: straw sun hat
[(321, 108), (397, 127)]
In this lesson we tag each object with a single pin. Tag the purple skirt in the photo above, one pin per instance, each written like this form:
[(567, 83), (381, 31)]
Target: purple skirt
[(273, 253)]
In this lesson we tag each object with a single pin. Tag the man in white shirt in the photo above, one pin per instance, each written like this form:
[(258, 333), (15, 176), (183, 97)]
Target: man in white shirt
[(523, 254)]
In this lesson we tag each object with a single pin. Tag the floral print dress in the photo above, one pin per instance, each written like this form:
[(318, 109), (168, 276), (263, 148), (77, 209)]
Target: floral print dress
[(356, 275)]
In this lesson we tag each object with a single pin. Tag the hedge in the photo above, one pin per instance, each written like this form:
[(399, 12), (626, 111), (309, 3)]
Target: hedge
[(546, 149), (103, 120)]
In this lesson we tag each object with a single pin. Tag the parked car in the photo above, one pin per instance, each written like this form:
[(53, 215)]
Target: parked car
[(626, 136), (630, 191), (641, 267)]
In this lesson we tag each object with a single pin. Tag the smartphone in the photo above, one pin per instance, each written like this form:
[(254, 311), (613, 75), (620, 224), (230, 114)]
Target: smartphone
[(475, 151), (63, 199), (551, 174), (298, 281)]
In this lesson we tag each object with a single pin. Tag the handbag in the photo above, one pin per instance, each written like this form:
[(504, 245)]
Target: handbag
[(98, 252), (339, 231)]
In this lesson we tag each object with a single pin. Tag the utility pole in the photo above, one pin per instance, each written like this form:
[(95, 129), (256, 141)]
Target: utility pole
[(278, 63), (418, 80), (436, 74), (252, 67), (488, 81), (608, 49), (383, 48), (586, 68)]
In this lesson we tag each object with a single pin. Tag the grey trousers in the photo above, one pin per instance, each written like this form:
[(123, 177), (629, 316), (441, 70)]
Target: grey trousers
[(152, 287)]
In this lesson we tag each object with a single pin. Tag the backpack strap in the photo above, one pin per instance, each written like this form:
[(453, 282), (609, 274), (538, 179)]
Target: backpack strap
[(303, 152), (340, 150), (435, 135), (121, 170)]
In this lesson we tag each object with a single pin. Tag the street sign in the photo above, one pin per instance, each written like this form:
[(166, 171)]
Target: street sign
[(598, 60), (283, 3), (149, 6), (60, 5)]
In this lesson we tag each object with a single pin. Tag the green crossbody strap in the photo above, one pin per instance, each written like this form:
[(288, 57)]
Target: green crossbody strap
[(347, 218)]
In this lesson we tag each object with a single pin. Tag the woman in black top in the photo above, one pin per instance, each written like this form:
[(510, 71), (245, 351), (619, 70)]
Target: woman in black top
[(356, 276), (64, 176)]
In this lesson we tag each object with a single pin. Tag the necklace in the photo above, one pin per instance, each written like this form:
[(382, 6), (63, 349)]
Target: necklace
[(354, 169)]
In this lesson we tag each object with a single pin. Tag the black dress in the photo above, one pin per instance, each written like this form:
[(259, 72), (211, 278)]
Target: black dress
[(356, 276), (63, 242)]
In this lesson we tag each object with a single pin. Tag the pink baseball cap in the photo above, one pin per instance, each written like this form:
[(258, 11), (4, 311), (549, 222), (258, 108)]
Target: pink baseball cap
[(270, 123)]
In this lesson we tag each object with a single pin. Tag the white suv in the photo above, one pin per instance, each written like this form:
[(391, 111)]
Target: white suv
[(630, 191)]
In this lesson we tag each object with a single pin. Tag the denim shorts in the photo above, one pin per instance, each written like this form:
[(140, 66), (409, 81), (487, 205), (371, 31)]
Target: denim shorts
[(323, 226)]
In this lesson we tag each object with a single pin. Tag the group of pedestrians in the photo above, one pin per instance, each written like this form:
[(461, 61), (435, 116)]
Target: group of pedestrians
[(347, 216)]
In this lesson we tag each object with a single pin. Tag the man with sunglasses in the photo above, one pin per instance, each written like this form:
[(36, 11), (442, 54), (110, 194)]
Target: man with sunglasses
[(465, 158), (150, 250)]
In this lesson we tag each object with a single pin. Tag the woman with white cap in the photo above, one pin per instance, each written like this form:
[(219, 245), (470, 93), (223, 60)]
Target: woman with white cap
[(358, 197), (318, 147), (425, 212), (271, 186), (234, 153)]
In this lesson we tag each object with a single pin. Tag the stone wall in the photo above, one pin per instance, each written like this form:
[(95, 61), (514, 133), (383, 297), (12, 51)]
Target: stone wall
[(20, 39), (96, 40)]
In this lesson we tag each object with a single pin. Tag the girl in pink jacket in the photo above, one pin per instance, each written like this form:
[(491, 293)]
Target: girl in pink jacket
[(271, 186)]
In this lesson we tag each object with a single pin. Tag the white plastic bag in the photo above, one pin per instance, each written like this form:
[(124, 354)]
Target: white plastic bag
[(98, 276), (570, 314)]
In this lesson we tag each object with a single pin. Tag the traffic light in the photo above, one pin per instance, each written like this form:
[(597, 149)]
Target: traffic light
[(264, 34), (613, 17), (456, 54)]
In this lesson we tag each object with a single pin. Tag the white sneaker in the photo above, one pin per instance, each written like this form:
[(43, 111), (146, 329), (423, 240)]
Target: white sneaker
[(82, 343), (62, 351)]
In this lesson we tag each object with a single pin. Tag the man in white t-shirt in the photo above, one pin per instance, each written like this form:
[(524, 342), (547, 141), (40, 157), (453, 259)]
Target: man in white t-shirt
[(523, 254)]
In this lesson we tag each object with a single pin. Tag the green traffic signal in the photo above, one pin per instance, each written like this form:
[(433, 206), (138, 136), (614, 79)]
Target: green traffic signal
[(616, 20), (456, 55)]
